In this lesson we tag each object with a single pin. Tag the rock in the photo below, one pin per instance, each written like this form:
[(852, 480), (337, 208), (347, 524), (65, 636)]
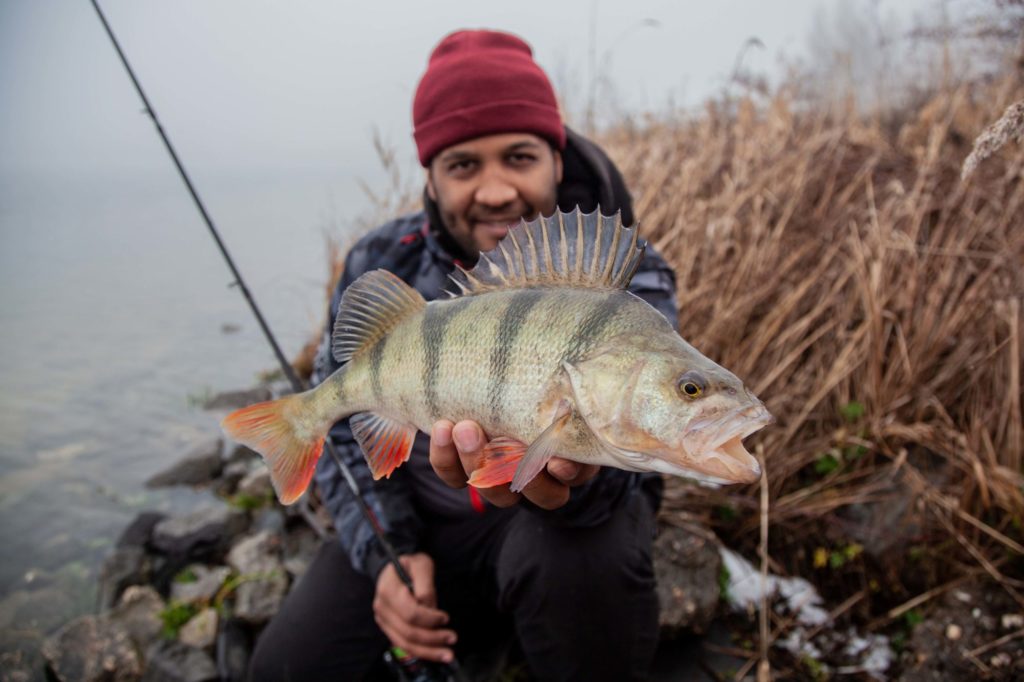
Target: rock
[(232, 474), (234, 649), (233, 400), (243, 453), (954, 632), (208, 581), (90, 648), (201, 465), (138, 614), (270, 519), (201, 630), (140, 530), (168, 661), (202, 533), (259, 597), (686, 566), (300, 546), (1012, 621), (125, 567), (257, 484)]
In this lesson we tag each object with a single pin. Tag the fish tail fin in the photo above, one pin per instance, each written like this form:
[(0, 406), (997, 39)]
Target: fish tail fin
[(289, 442)]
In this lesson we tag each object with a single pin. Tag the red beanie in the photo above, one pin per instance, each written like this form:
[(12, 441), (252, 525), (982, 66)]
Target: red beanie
[(482, 83)]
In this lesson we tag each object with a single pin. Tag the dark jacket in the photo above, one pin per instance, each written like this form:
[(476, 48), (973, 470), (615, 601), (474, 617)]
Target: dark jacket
[(418, 249)]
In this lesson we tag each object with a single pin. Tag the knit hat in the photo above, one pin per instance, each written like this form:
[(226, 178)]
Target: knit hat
[(482, 83)]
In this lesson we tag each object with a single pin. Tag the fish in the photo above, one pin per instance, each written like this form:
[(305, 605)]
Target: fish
[(543, 346)]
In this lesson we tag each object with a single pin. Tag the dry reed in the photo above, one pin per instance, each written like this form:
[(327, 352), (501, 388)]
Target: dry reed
[(840, 266)]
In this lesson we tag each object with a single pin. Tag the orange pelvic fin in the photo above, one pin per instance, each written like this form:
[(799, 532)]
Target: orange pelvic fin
[(291, 458), (501, 459), (385, 443)]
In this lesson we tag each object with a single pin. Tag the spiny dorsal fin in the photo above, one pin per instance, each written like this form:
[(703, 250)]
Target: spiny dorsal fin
[(370, 308), (568, 249)]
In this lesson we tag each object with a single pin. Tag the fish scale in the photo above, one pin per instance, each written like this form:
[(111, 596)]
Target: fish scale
[(544, 348)]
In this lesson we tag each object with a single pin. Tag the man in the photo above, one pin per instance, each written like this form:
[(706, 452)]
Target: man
[(567, 570)]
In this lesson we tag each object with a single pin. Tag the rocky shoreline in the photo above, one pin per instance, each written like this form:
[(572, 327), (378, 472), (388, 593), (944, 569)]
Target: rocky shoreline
[(184, 598)]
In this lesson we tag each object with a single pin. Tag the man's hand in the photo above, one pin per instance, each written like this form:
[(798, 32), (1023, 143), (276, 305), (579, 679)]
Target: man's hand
[(457, 450), (413, 622)]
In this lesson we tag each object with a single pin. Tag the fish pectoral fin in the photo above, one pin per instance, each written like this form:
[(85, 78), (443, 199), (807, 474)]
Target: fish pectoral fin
[(385, 443), (501, 457), (567, 436)]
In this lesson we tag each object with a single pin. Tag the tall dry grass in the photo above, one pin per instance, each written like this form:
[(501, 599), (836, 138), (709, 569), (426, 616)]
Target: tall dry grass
[(839, 265)]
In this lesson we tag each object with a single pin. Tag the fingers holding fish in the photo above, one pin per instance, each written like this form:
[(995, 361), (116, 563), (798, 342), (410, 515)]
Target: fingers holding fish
[(444, 458), (411, 620), (571, 473), (470, 444)]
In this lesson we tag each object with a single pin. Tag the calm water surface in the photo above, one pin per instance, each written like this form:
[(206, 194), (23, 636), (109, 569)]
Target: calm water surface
[(114, 304)]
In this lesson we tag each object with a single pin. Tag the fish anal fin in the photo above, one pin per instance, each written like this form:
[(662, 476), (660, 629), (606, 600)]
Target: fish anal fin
[(385, 443), (370, 308), (501, 458), (575, 249)]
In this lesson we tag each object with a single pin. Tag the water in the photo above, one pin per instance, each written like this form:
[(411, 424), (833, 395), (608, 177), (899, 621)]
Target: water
[(116, 316)]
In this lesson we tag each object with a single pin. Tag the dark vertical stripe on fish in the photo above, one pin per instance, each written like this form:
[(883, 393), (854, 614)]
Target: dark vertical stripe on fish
[(593, 326), (376, 356), (433, 329), (508, 330)]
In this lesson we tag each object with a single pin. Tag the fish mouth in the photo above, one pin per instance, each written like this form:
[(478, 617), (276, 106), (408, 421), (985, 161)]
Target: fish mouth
[(715, 445)]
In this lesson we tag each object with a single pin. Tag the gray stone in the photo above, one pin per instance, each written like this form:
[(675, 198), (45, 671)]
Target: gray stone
[(300, 546), (234, 649), (686, 565), (125, 567), (168, 661), (201, 630), (138, 614), (256, 484), (140, 530), (232, 474), (265, 582), (208, 582), (200, 466), (243, 453), (91, 649), (270, 519), (233, 400), (255, 553), (201, 533)]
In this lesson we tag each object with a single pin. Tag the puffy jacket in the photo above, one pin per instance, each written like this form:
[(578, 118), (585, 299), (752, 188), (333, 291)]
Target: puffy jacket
[(417, 249)]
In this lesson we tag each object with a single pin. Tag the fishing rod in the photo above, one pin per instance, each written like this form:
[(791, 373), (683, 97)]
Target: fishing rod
[(420, 670)]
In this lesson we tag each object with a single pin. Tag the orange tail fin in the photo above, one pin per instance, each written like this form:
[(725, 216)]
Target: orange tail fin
[(290, 454)]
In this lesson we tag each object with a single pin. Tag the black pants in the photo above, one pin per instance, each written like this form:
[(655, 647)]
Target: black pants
[(581, 601)]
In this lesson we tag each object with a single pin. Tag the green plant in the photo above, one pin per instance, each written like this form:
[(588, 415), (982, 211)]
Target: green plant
[(174, 616)]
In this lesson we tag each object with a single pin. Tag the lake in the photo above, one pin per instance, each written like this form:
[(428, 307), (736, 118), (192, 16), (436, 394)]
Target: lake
[(116, 319)]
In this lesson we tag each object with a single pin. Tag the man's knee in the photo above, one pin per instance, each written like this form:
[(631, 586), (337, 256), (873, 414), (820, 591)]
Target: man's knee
[(614, 558)]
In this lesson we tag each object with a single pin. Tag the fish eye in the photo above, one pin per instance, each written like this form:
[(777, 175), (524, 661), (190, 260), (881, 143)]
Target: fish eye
[(692, 385)]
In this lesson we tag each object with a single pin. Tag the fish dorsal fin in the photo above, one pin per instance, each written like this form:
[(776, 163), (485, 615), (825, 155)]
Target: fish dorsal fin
[(370, 308), (574, 249)]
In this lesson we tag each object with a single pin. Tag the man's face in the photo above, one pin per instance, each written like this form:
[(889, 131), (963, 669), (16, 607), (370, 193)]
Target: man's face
[(483, 185)]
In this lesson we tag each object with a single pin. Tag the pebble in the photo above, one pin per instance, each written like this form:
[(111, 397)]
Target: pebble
[(953, 631), (1000, 660), (1011, 621)]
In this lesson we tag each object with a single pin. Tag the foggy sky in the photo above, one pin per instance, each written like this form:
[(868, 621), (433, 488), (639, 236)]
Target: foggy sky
[(282, 88)]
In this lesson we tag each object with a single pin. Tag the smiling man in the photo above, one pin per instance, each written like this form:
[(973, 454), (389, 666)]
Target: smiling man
[(566, 571)]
